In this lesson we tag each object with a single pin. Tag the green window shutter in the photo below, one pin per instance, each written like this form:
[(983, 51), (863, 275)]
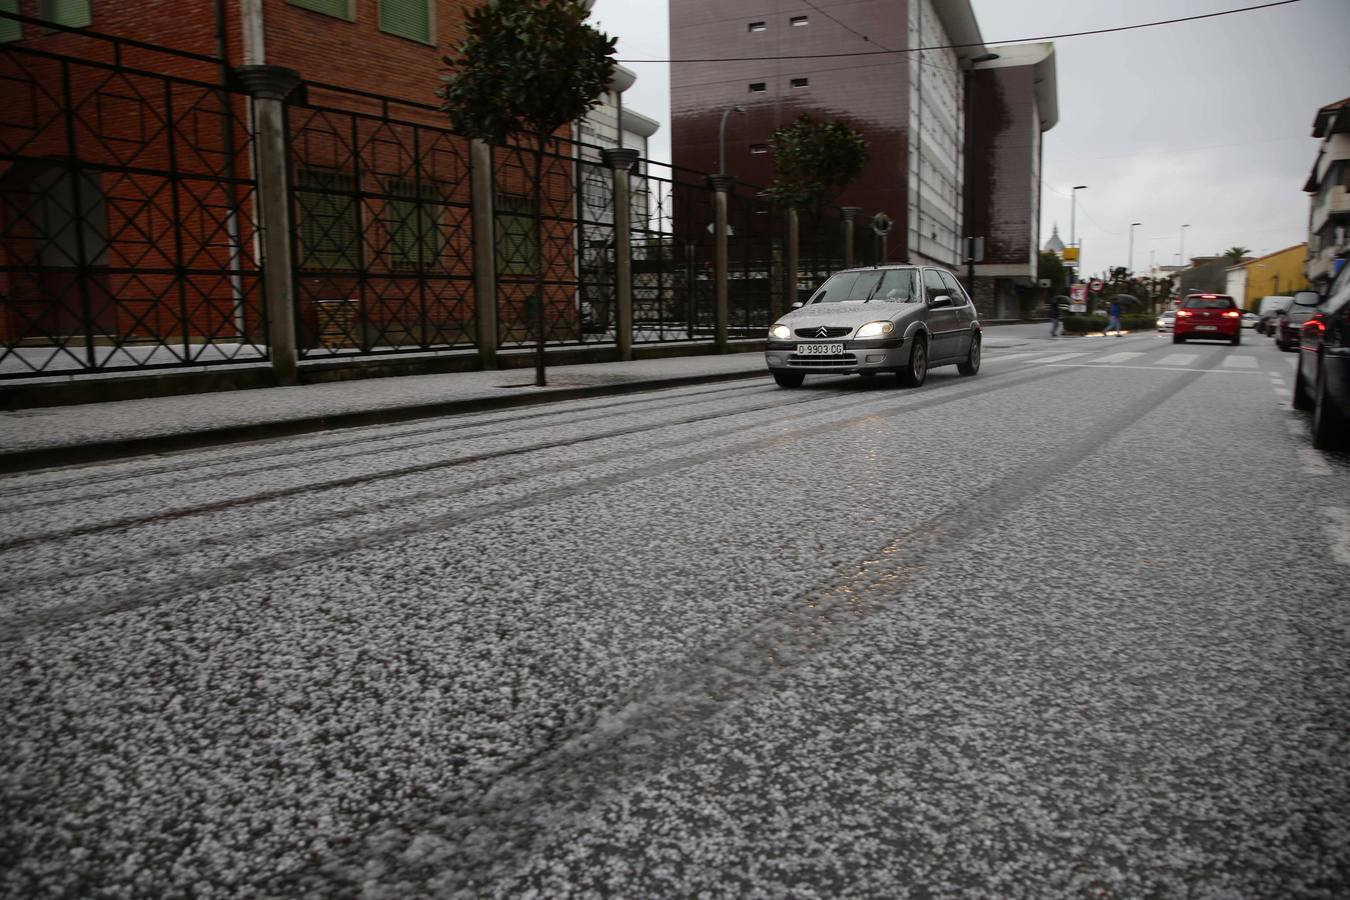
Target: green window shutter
[(74, 13), (342, 9), (517, 243), (328, 225), (10, 30), (407, 18)]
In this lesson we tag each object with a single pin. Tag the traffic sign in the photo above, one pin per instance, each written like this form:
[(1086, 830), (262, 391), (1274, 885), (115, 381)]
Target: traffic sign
[(1096, 285)]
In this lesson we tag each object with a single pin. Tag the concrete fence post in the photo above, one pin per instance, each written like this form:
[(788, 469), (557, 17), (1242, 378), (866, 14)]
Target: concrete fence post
[(484, 250), (848, 214), (621, 161), (269, 86), (721, 186)]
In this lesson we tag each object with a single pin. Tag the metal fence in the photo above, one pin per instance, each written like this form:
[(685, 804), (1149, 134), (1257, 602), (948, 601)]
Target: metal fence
[(382, 240), (129, 227), (126, 224)]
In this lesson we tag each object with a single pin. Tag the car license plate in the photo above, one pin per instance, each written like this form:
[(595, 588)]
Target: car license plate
[(819, 349), (1206, 328)]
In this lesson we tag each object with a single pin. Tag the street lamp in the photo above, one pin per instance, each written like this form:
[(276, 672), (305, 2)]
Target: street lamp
[(722, 139), (1181, 255), (1073, 212), (1129, 263)]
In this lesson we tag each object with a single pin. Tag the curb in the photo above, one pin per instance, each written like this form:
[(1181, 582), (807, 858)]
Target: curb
[(106, 451)]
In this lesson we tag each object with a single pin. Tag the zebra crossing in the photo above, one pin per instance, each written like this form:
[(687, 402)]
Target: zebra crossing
[(1236, 362)]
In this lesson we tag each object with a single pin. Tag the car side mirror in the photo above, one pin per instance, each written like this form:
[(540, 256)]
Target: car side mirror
[(798, 305), (939, 300)]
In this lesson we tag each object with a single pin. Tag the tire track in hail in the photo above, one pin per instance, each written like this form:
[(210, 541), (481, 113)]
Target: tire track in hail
[(346, 443), (504, 812), (233, 538), (16, 627), (366, 478)]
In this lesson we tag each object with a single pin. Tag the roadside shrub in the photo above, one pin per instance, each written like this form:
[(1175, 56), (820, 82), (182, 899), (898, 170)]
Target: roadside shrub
[(1085, 324)]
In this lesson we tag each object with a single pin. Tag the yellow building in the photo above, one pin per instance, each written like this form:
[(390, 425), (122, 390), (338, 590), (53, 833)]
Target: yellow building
[(1275, 274)]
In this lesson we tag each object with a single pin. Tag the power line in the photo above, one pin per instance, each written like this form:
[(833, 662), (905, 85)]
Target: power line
[(1027, 40)]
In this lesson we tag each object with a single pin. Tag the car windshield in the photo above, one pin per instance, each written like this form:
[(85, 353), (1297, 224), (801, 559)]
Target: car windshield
[(878, 285), (1209, 303)]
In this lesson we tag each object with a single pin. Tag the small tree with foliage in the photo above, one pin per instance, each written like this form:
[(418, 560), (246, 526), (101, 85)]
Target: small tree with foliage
[(813, 161), (526, 67)]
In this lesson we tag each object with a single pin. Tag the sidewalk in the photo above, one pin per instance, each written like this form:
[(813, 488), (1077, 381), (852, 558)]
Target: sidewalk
[(63, 435)]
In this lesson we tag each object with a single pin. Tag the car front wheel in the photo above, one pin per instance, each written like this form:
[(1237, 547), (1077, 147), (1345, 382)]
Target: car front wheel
[(916, 372), (789, 379), (972, 363)]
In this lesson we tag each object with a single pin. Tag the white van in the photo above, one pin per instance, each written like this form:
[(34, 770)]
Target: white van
[(1270, 309)]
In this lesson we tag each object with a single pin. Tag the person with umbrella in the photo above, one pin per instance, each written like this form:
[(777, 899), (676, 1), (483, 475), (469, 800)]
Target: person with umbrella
[(1113, 312)]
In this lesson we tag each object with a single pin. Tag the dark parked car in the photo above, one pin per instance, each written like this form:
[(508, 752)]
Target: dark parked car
[(901, 319), (1322, 381), (1289, 326), (1213, 317)]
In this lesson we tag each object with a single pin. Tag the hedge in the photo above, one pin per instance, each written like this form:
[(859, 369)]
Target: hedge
[(1084, 324)]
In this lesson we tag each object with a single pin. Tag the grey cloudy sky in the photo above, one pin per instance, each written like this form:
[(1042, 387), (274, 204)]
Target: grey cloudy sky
[(1205, 123)]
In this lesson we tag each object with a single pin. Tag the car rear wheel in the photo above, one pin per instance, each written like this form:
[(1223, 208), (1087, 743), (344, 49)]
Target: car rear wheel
[(972, 363), (1330, 431), (1178, 339), (1302, 399), (1236, 339), (789, 379), (916, 372)]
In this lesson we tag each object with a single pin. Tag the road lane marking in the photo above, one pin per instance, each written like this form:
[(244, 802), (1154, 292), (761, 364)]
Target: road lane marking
[(1241, 362), (1313, 463), (1178, 359), (1152, 368), (1125, 356), (1338, 533), (1060, 357)]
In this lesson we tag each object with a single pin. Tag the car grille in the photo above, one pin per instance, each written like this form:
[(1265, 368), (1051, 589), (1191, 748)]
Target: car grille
[(830, 332), (839, 360)]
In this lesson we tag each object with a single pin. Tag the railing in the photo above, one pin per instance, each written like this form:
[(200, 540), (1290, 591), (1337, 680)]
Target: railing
[(130, 218), (126, 225)]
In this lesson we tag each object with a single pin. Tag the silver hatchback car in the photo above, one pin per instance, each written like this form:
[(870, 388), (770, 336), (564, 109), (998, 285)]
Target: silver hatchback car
[(902, 319)]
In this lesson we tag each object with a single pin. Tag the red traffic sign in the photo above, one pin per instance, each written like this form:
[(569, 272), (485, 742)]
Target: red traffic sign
[(1095, 285)]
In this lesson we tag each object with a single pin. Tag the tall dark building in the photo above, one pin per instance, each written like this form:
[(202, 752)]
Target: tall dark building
[(899, 71)]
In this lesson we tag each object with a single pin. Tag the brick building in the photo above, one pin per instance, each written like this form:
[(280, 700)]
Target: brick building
[(902, 72), (151, 153)]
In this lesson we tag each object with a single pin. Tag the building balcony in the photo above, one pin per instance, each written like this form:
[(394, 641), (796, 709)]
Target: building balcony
[(1334, 205)]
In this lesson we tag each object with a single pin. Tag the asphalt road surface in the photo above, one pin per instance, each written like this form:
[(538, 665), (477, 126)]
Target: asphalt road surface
[(1078, 626)]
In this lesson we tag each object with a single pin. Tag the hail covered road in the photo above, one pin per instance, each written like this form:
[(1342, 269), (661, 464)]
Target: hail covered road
[(1078, 626)]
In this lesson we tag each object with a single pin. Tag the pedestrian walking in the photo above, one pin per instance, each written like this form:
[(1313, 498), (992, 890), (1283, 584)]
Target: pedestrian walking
[(1113, 318), (1055, 320)]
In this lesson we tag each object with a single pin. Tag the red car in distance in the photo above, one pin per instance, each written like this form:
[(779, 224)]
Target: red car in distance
[(1213, 317)]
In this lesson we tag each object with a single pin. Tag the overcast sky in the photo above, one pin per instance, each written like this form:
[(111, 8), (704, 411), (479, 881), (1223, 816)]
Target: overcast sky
[(1203, 123)]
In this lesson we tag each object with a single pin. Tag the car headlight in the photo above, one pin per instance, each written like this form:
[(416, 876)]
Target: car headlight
[(780, 332), (875, 329)]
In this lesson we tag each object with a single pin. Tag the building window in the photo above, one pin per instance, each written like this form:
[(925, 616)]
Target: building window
[(759, 148), (407, 18), (757, 26), (757, 87), (329, 230), (10, 30), (517, 242), (800, 82), (413, 222), (74, 13), (797, 21), (341, 9)]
